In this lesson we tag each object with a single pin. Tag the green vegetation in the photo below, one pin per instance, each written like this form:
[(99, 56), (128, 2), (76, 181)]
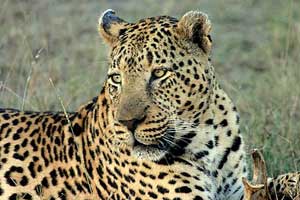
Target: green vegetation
[(256, 55)]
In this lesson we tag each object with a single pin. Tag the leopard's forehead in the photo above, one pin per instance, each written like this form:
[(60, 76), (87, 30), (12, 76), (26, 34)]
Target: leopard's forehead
[(146, 43), (149, 27)]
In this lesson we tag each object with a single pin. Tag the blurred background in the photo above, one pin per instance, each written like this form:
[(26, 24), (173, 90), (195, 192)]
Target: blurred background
[(256, 55)]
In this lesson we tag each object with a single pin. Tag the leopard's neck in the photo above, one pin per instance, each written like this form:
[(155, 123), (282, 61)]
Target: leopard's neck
[(94, 132)]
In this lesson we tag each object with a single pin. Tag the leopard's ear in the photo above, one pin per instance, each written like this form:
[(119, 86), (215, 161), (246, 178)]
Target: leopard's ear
[(259, 168), (195, 27), (250, 190), (111, 26)]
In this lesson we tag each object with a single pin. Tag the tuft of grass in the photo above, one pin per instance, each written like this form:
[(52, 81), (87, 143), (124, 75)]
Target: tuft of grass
[(256, 56)]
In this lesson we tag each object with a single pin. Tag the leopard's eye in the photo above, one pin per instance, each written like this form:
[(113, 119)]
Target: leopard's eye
[(116, 78), (158, 73)]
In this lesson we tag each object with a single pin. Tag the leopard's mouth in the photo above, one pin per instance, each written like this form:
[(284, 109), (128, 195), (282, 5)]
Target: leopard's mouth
[(154, 150), (161, 145)]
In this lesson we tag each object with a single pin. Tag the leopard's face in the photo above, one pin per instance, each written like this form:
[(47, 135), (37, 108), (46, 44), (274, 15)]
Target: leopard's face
[(159, 78)]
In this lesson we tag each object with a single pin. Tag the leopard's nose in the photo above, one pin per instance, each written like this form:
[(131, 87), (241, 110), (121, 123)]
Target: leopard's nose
[(132, 124)]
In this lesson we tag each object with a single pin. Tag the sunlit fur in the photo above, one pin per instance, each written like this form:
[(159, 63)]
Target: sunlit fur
[(183, 112), (84, 155), (185, 142)]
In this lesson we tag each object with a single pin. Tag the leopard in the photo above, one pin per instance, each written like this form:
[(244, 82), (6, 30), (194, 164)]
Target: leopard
[(284, 187), (164, 88), (76, 156), (161, 128), (261, 187)]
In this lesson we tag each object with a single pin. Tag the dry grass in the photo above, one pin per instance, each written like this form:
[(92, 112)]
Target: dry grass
[(256, 55)]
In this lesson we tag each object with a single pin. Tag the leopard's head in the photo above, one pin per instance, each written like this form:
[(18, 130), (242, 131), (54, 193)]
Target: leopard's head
[(159, 78)]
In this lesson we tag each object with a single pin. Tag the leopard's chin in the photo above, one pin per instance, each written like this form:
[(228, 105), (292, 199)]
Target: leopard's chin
[(148, 152), (154, 150)]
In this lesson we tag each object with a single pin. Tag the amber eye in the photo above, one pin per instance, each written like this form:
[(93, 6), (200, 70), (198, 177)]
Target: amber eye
[(158, 73), (116, 78)]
